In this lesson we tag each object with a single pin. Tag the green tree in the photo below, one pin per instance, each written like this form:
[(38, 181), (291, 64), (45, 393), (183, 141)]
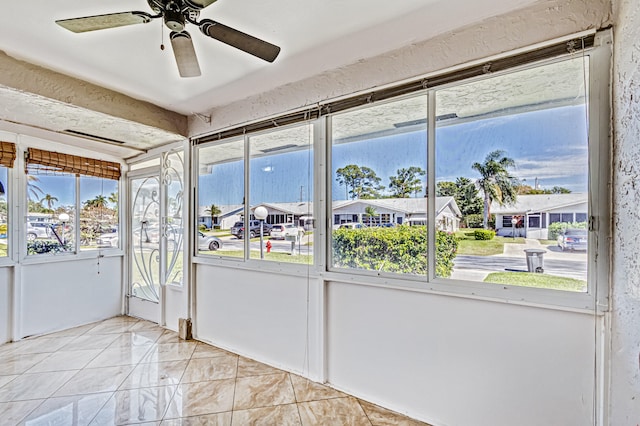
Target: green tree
[(214, 211), (360, 182), (495, 182), (406, 182), (99, 202), (465, 192), (49, 200)]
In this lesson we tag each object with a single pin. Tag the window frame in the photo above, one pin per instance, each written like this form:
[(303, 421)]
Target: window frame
[(246, 261), (594, 300), (20, 240), (596, 296)]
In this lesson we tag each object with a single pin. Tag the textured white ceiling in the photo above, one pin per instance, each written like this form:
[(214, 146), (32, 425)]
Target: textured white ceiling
[(314, 36)]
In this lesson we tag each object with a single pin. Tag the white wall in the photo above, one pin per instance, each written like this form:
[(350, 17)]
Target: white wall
[(262, 316), (453, 361), (6, 275), (625, 318), (59, 295)]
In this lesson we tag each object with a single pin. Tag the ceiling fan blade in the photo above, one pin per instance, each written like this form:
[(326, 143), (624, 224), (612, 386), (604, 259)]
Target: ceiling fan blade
[(240, 40), (185, 54), (199, 4), (101, 22)]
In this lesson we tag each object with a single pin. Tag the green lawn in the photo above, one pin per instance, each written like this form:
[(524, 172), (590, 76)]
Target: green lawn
[(529, 279), (467, 244), (273, 256)]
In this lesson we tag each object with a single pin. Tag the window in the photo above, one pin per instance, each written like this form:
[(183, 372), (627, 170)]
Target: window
[(379, 166), (521, 137), (60, 185), (281, 182), (280, 170), (4, 213), (221, 197), (98, 213)]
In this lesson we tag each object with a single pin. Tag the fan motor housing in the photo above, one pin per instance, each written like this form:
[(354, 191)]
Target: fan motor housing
[(174, 20)]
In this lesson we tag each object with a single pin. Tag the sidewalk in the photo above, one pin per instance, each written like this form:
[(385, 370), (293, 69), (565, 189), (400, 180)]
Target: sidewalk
[(551, 252)]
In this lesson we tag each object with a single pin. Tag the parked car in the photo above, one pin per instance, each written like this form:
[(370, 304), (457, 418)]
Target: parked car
[(108, 240), (254, 229), (38, 231), (353, 225), (573, 239), (282, 230), (208, 242)]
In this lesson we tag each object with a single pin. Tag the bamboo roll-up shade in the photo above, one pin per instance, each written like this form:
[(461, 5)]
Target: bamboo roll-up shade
[(57, 162), (7, 154)]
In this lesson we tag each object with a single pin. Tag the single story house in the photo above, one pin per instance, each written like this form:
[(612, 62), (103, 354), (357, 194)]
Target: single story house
[(387, 211), (531, 215)]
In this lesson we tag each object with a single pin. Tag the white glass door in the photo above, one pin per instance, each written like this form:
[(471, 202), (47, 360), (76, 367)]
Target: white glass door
[(145, 285)]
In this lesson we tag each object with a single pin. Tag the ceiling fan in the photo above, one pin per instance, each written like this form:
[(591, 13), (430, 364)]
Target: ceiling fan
[(176, 14)]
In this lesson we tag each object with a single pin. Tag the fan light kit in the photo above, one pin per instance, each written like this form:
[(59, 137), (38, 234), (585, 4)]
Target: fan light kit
[(176, 14)]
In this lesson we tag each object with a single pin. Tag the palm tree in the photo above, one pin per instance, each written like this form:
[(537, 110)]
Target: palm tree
[(370, 212), (49, 199), (33, 190), (495, 182), (214, 211)]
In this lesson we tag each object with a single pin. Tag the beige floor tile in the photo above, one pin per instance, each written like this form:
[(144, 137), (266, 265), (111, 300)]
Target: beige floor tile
[(111, 328), (12, 412), (136, 338), (147, 325), (17, 363), (129, 355), (6, 379), (95, 380), (248, 367), (136, 406), (263, 391), (218, 419), (306, 390), (161, 352), (218, 368), (169, 336), (382, 417), (337, 411), (281, 415), (90, 341), (71, 332), (207, 351), (34, 386), (196, 399), (155, 374), (44, 345), (65, 360), (69, 410)]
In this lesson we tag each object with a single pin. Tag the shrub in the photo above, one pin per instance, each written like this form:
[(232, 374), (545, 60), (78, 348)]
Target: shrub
[(401, 249), (203, 228), (558, 228), (484, 234), (3, 228), (38, 247)]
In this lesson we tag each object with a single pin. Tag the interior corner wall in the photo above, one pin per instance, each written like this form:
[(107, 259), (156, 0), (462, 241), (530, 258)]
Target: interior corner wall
[(64, 294), (625, 317)]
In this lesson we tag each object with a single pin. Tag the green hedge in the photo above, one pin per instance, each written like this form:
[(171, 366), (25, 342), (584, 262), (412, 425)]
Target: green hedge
[(483, 234), (39, 247), (558, 228), (402, 249), (473, 221)]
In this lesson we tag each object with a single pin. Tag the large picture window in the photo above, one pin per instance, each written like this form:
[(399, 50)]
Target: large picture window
[(516, 145), (58, 186)]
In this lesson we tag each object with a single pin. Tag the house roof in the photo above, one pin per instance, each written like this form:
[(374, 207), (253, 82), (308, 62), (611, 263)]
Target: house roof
[(408, 206), (539, 203)]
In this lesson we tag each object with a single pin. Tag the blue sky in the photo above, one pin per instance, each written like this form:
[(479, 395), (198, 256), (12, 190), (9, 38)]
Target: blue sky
[(549, 145)]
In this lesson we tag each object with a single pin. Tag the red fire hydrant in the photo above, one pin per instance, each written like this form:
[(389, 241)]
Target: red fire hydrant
[(268, 246)]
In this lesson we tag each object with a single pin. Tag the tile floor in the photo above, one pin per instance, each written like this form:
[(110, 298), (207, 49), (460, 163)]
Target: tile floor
[(126, 371)]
